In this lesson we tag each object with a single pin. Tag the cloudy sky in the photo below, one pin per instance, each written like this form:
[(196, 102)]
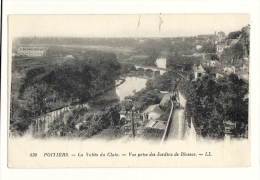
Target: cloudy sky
[(125, 25)]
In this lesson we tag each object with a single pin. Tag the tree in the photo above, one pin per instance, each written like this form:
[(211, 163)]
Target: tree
[(211, 102), (81, 80), (221, 33), (208, 48), (232, 54), (234, 35)]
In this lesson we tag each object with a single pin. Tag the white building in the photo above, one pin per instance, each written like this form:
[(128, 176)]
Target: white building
[(198, 71), (198, 46), (32, 51), (161, 63)]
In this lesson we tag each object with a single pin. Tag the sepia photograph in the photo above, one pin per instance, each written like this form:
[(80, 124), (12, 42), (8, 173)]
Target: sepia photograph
[(157, 90)]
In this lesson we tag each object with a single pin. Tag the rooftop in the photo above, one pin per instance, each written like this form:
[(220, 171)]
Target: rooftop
[(33, 48), (156, 124), (199, 69), (165, 98), (153, 108)]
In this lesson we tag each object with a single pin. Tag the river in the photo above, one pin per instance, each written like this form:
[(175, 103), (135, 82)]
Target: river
[(130, 85)]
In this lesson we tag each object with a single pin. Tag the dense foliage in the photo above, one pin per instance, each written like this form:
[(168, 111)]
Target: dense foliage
[(208, 48), (211, 102), (232, 54), (89, 123), (234, 35), (184, 63), (240, 49), (141, 100), (79, 80)]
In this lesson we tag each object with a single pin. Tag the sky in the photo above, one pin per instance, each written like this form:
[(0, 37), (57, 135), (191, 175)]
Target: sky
[(175, 25)]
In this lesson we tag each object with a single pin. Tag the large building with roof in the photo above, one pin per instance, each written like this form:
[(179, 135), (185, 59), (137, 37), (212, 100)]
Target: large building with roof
[(32, 51), (153, 112)]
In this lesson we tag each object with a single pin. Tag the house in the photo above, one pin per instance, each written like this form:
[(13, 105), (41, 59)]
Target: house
[(198, 71), (127, 128), (166, 98), (243, 75), (79, 126), (122, 114), (221, 47), (246, 97), (211, 63), (153, 112), (229, 43), (219, 75), (126, 116), (32, 51), (198, 47), (161, 63), (229, 70), (69, 56)]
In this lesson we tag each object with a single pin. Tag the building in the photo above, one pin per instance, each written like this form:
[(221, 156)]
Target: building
[(213, 63), (198, 46), (69, 56), (153, 112), (229, 127), (79, 126), (227, 44), (126, 116), (243, 75), (32, 51), (229, 70), (127, 129), (220, 48), (198, 71), (161, 63), (166, 98), (218, 75)]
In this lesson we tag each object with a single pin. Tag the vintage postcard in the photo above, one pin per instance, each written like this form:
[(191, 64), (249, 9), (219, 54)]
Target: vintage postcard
[(158, 90)]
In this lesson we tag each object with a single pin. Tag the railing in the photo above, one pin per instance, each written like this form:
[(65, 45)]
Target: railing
[(166, 132)]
